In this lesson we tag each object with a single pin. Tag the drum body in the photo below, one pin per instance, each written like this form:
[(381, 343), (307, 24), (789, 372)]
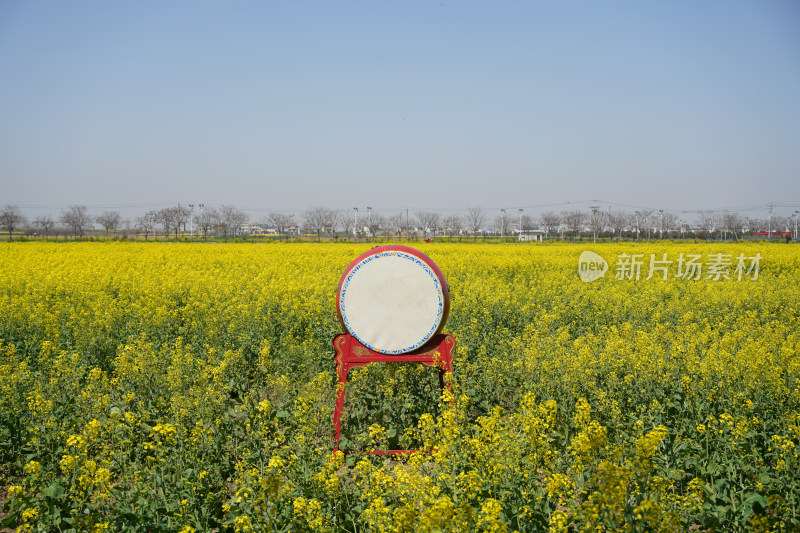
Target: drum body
[(393, 299)]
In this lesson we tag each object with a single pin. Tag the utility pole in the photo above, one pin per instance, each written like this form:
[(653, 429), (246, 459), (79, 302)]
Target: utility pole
[(502, 224), (725, 225), (369, 222), (201, 206), (520, 224), (191, 222), (594, 220), (355, 224), (684, 222), (661, 223), (769, 223), (795, 225)]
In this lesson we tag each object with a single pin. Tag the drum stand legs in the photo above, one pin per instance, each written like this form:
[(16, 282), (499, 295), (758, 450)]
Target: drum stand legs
[(350, 354)]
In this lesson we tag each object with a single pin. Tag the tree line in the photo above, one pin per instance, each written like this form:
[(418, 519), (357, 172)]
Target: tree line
[(227, 220), (170, 220)]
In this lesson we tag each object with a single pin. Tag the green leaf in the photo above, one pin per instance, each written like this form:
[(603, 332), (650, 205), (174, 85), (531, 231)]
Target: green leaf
[(756, 498), (55, 490), (765, 479), (745, 511), (10, 520), (713, 468)]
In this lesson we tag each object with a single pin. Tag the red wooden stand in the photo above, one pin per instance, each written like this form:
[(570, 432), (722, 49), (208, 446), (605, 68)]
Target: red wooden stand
[(350, 353)]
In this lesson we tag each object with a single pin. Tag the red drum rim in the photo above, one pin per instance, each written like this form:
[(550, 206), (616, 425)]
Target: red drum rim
[(415, 256)]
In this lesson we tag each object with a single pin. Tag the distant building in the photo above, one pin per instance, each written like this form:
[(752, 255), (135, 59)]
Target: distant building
[(531, 235), (250, 229)]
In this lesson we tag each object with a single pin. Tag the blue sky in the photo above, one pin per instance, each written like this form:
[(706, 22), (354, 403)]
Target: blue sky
[(421, 105)]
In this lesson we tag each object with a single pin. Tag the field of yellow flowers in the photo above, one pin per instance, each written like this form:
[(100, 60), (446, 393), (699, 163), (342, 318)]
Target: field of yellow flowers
[(182, 387)]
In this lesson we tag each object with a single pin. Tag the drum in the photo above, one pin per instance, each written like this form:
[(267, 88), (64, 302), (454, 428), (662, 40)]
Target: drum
[(393, 299)]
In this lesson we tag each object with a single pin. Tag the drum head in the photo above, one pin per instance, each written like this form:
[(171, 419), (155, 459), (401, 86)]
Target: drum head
[(393, 299)]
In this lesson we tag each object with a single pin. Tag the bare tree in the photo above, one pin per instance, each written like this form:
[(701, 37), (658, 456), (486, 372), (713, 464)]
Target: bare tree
[(230, 218), (78, 218), (166, 218), (574, 220), (319, 219), (344, 220), (398, 223), (597, 221), (642, 220), (208, 220), (782, 223), (281, 222), (375, 222), (731, 222), (476, 220), (174, 218), (10, 219), (502, 221), (181, 214), (685, 226), (527, 223), (428, 221), (551, 221), (748, 225), (147, 223), (452, 224), (707, 220), (669, 221), (617, 220), (109, 220), (45, 223)]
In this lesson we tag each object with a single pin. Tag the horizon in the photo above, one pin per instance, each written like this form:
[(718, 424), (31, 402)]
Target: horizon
[(635, 216)]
